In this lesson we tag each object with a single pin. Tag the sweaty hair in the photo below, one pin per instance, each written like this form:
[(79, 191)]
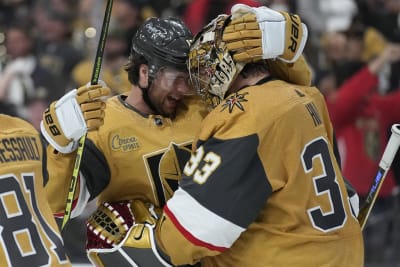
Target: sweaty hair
[(254, 68), (132, 67)]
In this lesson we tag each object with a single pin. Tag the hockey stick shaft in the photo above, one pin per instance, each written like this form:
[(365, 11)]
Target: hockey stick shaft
[(384, 166), (94, 80)]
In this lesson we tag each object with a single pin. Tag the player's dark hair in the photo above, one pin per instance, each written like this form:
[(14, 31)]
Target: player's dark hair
[(132, 68), (254, 68)]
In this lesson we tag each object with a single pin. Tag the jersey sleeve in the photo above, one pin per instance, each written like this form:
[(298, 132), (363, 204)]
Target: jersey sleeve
[(298, 72), (59, 168), (94, 175), (223, 189), (95, 169), (29, 233)]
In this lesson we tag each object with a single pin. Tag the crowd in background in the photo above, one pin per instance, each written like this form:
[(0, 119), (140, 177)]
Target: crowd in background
[(47, 47)]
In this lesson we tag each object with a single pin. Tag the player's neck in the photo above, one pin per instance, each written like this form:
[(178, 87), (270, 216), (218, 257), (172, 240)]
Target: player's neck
[(135, 99), (242, 82)]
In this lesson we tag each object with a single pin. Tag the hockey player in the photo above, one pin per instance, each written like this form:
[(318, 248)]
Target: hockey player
[(120, 160), (123, 159), (29, 235), (147, 134), (263, 187)]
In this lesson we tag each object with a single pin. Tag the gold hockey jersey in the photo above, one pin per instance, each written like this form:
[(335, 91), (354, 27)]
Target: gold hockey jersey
[(263, 187), (29, 235), (125, 159)]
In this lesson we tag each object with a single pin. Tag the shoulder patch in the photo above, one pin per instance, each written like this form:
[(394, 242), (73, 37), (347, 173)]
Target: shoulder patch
[(235, 100)]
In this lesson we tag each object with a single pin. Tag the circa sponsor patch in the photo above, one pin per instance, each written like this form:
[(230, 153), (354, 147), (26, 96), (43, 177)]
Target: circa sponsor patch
[(124, 143)]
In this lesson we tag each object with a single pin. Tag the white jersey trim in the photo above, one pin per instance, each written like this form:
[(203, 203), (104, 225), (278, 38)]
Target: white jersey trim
[(202, 223), (83, 198)]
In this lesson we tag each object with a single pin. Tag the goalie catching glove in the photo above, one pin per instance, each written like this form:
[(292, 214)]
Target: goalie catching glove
[(263, 33), (65, 121), (122, 234)]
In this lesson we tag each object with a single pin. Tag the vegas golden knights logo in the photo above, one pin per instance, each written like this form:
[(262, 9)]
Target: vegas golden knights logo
[(165, 169)]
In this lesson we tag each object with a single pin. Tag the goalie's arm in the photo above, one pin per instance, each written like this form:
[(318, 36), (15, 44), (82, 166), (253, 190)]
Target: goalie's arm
[(298, 72)]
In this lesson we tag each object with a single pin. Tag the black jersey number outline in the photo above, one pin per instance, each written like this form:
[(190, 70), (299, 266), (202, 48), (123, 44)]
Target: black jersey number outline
[(324, 184), (201, 174), (20, 222)]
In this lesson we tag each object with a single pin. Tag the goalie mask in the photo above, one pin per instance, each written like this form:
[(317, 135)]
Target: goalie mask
[(211, 66)]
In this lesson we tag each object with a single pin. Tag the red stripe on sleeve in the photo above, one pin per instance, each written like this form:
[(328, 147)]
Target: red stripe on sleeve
[(188, 235)]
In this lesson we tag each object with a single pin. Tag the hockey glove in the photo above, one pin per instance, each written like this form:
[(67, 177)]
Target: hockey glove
[(263, 33), (69, 118), (123, 232)]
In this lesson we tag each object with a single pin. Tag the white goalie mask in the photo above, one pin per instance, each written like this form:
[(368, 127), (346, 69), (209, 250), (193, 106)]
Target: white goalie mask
[(211, 66)]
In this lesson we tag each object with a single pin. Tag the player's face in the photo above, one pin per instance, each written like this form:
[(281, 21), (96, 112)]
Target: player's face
[(168, 89)]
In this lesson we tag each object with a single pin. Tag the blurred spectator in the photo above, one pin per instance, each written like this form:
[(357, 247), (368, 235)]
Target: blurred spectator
[(361, 116), (324, 16), (128, 15), (383, 15), (22, 74), (56, 51), (358, 43), (16, 82), (11, 10), (63, 5), (333, 46), (282, 5), (36, 105), (325, 19), (112, 70), (199, 12), (8, 109), (369, 42), (170, 8)]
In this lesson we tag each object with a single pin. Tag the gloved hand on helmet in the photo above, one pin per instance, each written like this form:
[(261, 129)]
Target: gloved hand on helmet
[(70, 117), (263, 33)]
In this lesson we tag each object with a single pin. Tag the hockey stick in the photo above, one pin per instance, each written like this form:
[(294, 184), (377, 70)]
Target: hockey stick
[(94, 80), (384, 165)]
